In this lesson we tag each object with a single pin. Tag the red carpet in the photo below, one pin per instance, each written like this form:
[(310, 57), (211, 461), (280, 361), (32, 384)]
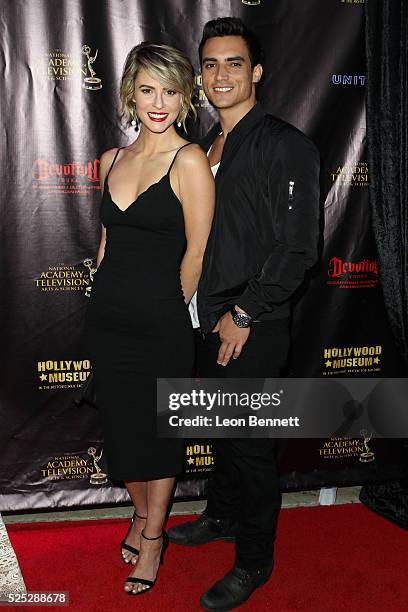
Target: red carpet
[(328, 559)]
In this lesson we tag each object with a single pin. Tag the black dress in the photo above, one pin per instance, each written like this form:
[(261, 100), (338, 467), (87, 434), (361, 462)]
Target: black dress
[(138, 328)]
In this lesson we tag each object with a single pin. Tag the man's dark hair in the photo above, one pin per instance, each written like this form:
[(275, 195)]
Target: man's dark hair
[(233, 26)]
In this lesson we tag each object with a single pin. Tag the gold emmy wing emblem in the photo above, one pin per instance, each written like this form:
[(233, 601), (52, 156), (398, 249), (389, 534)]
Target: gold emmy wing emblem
[(92, 82), (89, 264), (368, 455), (251, 2), (99, 477)]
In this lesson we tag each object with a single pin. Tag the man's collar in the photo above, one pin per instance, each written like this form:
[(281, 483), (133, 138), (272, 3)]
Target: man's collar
[(243, 126)]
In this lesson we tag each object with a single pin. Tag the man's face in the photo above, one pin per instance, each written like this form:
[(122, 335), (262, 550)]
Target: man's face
[(228, 79)]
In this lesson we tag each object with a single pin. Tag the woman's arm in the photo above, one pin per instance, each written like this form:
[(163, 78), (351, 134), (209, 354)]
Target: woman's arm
[(106, 160), (196, 191), (101, 249)]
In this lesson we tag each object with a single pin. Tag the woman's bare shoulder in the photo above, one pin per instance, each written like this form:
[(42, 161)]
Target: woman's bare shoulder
[(191, 156), (106, 160), (107, 156)]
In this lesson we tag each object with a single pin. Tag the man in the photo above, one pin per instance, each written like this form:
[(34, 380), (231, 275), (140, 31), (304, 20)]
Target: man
[(263, 239)]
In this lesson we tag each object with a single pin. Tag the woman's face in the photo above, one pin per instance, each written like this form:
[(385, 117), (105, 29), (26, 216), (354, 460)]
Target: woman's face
[(157, 106)]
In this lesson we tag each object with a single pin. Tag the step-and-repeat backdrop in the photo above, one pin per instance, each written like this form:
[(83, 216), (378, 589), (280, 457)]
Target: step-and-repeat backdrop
[(60, 66)]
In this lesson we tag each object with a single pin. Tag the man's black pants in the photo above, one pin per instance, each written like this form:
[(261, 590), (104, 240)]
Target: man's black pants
[(245, 486)]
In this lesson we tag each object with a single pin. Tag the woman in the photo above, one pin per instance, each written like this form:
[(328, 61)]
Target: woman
[(156, 212)]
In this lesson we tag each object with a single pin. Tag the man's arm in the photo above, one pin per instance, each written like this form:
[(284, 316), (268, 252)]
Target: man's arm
[(297, 227)]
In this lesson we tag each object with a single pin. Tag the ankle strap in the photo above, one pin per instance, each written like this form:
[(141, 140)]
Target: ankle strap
[(147, 538), (141, 517)]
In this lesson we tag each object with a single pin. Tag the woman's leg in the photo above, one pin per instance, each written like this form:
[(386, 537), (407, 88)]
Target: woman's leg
[(138, 493), (158, 496)]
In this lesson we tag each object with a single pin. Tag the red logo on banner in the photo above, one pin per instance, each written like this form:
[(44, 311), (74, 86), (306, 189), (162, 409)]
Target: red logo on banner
[(353, 275), (72, 178)]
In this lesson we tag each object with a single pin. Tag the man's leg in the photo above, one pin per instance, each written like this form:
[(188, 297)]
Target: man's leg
[(255, 459), (223, 494), (260, 503), (223, 486), (264, 356)]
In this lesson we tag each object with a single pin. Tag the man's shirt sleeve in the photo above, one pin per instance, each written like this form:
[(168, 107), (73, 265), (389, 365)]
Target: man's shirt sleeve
[(293, 191)]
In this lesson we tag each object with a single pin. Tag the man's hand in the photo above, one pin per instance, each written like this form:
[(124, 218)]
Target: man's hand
[(232, 337)]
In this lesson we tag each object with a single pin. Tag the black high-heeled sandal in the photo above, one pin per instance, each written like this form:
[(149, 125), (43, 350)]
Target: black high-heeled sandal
[(128, 547), (149, 583)]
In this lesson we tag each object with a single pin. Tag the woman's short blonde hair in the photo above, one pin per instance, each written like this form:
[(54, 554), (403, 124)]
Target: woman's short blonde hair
[(167, 65)]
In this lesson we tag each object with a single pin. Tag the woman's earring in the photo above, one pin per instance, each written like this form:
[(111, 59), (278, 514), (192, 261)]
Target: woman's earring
[(179, 124), (135, 120)]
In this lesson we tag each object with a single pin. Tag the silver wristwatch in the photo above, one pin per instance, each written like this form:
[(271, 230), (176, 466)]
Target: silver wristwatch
[(240, 319)]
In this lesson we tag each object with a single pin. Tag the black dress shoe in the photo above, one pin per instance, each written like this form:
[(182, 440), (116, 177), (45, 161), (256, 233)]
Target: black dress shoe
[(235, 588), (204, 529)]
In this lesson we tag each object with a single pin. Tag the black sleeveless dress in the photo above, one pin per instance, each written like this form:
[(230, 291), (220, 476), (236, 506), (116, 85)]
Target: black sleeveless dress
[(138, 328)]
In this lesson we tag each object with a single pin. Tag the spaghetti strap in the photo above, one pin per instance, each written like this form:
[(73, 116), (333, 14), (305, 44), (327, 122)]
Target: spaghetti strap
[(177, 152), (112, 164)]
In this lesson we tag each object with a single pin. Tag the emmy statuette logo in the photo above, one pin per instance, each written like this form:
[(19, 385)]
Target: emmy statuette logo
[(89, 264), (368, 455), (99, 477), (93, 83)]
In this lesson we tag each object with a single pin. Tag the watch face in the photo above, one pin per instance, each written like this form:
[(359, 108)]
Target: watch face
[(241, 320)]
